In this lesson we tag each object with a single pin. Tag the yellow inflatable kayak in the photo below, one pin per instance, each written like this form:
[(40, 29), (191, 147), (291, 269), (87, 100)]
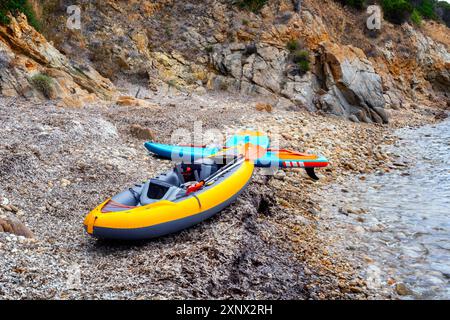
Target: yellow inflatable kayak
[(175, 200)]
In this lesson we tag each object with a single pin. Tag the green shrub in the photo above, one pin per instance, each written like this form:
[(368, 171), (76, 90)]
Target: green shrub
[(43, 83), (301, 60), (303, 66), (396, 11), (359, 4), (292, 45), (14, 7), (426, 9), (399, 11), (252, 5), (416, 17), (443, 12), (300, 55)]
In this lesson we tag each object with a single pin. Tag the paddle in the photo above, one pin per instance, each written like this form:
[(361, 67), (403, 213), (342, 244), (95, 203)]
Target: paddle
[(245, 152)]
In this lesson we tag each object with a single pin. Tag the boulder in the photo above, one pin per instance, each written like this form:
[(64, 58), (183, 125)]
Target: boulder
[(352, 82), (14, 226), (129, 101), (264, 107), (140, 132)]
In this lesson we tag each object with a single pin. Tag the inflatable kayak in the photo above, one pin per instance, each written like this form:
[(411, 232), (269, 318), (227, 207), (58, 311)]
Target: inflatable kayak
[(173, 201)]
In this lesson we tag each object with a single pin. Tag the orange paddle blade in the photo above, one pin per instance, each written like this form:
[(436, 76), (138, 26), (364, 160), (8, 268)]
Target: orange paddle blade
[(253, 152)]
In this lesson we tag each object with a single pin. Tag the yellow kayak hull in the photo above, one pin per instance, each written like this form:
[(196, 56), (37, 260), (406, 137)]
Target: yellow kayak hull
[(166, 217)]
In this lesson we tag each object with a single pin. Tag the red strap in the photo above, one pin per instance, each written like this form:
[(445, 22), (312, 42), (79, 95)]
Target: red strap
[(195, 187)]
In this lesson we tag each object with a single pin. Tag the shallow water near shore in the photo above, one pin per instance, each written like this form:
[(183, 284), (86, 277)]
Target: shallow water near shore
[(401, 224)]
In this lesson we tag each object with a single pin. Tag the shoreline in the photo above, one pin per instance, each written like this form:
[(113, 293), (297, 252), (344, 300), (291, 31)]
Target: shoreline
[(267, 245), (392, 238)]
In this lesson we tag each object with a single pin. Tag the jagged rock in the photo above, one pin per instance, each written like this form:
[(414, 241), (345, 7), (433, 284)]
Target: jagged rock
[(433, 58), (352, 81), (394, 100), (440, 77), (381, 112), (353, 118), (265, 68), (302, 90), (142, 133), (131, 102), (26, 53), (174, 70), (264, 107)]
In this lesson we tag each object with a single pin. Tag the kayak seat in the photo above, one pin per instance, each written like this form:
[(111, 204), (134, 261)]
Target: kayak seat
[(173, 178), (125, 200), (204, 168), (155, 190)]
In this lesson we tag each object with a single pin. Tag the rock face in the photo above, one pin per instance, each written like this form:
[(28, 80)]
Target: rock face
[(351, 83), (24, 53), (354, 88), (433, 57), (172, 46), (254, 68)]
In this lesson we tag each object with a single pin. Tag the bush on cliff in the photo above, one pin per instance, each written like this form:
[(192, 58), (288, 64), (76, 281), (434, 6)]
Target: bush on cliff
[(44, 84), (354, 3), (426, 8), (416, 17), (399, 11), (252, 5), (301, 60), (396, 11), (14, 7), (292, 45), (443, 12)]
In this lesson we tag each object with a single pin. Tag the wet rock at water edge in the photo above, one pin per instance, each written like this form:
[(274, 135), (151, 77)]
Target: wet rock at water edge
[(403, 290)]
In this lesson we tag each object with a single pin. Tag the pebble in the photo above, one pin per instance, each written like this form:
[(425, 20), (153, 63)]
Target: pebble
[(358, 229), (65, 183), (280, 175), (4, 201), (402, 289), (377, 228)]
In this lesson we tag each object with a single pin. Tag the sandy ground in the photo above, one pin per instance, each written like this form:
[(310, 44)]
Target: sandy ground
[(57, 164)]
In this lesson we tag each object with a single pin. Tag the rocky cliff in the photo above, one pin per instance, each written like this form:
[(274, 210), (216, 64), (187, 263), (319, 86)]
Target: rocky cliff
[(32, 67), (196, 46)]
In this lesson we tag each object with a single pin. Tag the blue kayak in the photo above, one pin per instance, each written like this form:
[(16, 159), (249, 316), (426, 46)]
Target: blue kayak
[(273, 158)]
